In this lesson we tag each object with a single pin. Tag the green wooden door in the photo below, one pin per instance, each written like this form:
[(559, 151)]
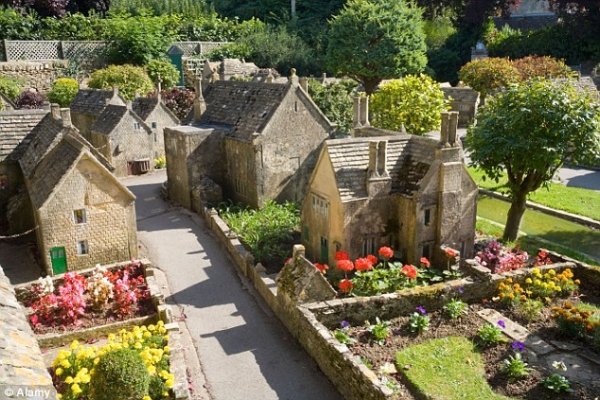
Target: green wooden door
[(324, 251), (58, 258)]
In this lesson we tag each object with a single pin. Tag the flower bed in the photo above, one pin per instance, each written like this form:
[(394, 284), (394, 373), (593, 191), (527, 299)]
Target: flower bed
[(370, 358), (75, 371), (78, 301), (498, 258)]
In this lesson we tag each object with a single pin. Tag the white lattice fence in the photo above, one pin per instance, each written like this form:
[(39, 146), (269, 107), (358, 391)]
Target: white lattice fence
[(32, 49)]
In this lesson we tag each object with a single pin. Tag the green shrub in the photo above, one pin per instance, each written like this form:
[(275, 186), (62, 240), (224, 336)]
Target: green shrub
[(437, 31), (229, 50), (165, 71), (515, 368), (128, 78), (489, 74), (17, 26), (10, 87), (120, 374), (335, 100), (456, 308), (63, 91), (415, 102), (490, 334), (542, 67), (530, 309)]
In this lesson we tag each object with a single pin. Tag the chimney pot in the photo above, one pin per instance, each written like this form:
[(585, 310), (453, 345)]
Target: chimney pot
[(293, 77), (444, 129), (364, 111), (55, 111), (452, 127), (304, 84), (65, 116), (356, 120)]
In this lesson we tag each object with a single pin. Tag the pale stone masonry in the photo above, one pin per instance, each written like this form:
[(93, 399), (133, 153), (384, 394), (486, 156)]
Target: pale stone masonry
[(154, 112), (88, 104), (21, 362), (409, 192), (251, 141)]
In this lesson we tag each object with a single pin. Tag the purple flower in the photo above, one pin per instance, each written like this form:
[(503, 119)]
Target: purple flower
[(345, 324), (422, 310), (518, 346), (501, 324), (460, 290)]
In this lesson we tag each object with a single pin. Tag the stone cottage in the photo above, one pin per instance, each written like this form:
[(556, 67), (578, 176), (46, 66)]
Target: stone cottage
[(88, 104), (409, 192), (157, 116), (124, 139), (252, 141), (83, 213), (227, 69), (465, 101)]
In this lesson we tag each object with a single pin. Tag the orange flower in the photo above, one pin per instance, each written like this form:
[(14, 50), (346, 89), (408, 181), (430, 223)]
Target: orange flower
[(424, 262), (450, 252), (410, 271), (345, 285), (341, 255), (386, 252), (345, 265), (363, 264), (322, 267), (374, 260)]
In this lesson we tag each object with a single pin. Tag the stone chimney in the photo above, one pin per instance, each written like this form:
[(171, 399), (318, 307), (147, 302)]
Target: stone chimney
[(65, 116), (199, 103), (270, 77), (55, 111), (444, 129), (115, 93), (293, 77), (379, 182), (304, 84), (364, 111), (356, 112), (448, 130)]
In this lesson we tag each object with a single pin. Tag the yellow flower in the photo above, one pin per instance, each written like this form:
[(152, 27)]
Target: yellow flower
[(152, 370), (59, 396), (96, 360), (146, 398), (74, 345), (59, 371), (76, 389), (169, 383), (528, 281), (137, 345), (69, 380), (65, 363), (166, 349)]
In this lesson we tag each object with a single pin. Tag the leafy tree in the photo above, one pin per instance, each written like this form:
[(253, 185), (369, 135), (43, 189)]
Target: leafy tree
[(164, 71), (371, 40), (63, 91), (128, 78), (229, 50), (489, 74), (335, 100), (415, 102), (529, 131)]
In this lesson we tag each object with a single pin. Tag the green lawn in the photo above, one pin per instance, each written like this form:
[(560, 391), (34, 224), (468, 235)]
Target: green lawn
[(447, 368), (543, 227), (579, 201)]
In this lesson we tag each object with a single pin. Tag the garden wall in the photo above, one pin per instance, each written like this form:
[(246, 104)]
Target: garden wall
[(34, 74)]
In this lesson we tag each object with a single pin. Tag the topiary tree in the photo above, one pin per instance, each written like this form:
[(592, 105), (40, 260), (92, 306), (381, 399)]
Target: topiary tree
[(120, 374), (528, 132), (543, 67), (128, 78), (29, 99), (335, 100), (63, 91), (415, 102), (489, 74), (163, 70), (372, 40)]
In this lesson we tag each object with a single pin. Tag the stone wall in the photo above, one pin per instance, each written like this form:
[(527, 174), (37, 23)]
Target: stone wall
[(464, 100), (38, 75), (110, 227), (158, 120), (21, 363)]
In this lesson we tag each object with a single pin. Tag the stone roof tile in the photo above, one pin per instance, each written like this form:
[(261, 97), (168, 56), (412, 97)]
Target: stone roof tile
[(109, 119), (91, 101), (143, 106), (15, 127)]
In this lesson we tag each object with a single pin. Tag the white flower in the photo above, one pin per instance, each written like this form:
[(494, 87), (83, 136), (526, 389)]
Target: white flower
[(559, 365)]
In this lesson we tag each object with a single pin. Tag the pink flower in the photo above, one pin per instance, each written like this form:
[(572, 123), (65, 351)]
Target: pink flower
[(363, 264), (341, 255), (345, 265), (374, 260), (410, 271), (450, 252), (345, 285), (424, 262), (386, 252)]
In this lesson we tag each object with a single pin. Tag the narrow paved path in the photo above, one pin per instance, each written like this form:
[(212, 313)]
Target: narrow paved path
[(245, 353)]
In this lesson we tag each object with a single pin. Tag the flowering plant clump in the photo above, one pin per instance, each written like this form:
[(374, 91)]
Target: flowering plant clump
[(491, 334), (341, 333), (419, 320), (557, 382), (71, 301), (380, 330), (499, 259), (541, 286), (573, 321), (73, 369), (100, 288)]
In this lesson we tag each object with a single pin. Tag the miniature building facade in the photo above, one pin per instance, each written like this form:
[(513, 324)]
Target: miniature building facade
[(409, 192)]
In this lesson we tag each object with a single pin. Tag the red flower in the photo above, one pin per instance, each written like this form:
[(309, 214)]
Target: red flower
[(341, 255), (386, 252), (374, 260), (345, 285), (410, 271), (345, 265), (424, 262), (450, 252), (363, 264), (322, 267)]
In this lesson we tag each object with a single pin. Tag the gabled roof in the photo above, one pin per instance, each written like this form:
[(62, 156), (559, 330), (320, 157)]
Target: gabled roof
[(15, 127), (408, 160), (108, 119), (242, 107), (144, 106), (93, 101)]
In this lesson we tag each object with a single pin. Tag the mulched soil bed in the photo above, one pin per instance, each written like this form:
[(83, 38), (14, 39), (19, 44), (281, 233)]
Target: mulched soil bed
[(440, 326)]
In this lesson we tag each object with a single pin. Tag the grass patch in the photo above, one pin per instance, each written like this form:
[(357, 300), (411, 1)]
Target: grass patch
[(591, 308), (579, 201), (447, 368), (268, 232)]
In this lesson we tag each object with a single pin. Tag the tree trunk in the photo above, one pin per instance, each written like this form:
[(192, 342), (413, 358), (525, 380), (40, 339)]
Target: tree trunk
[(370, 84), (515, 214)]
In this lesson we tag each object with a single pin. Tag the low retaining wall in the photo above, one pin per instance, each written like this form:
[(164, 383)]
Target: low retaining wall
[(38, 75), (592, 223)]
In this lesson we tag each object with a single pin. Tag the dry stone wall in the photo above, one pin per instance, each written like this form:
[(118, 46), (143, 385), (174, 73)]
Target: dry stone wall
[(34, 74)]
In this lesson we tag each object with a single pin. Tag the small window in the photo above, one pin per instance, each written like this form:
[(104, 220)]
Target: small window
[(136, 125), (80, 216), (154, 125), (82, 247), (427, 217)]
